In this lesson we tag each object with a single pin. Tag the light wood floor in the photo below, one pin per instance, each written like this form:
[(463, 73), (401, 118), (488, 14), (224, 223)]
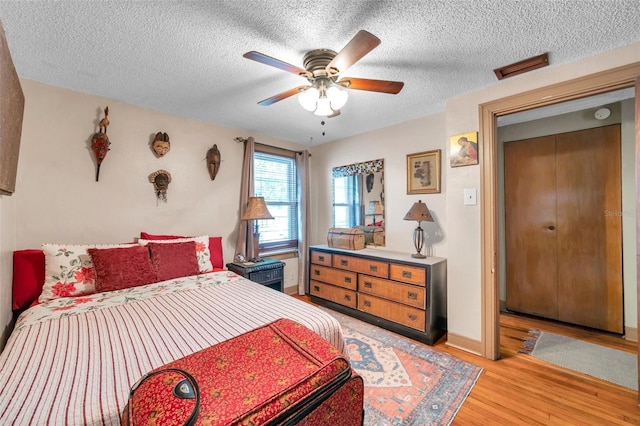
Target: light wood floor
[(522, 390)]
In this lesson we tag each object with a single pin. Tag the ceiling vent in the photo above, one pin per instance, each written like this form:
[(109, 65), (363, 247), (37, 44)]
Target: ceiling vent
[(522, 66)]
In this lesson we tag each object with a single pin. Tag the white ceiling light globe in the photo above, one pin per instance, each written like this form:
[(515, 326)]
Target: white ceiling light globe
[(308, 98), (324, 107), (337, 97)]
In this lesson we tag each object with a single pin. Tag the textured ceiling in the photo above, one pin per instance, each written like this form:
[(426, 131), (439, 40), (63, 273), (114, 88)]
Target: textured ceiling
[(185, 57)]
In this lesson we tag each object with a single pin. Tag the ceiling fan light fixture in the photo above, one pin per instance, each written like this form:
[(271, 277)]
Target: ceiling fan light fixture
[(308, 98), (324, 107), (338, 98)]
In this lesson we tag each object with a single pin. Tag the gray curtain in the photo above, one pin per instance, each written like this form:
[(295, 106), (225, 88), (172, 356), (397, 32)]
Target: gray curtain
[(244, 240), (304, 218)]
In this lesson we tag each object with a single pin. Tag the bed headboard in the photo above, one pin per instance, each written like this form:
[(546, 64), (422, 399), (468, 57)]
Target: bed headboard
[(28, 277)]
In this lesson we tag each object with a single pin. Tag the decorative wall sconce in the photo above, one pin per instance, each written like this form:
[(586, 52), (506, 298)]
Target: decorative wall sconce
[(213, 161), (161, 144), (160, 180), (100, 142), (419, 212)]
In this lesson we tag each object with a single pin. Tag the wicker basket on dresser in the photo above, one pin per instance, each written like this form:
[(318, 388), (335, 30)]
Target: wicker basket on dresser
[(388, 289)]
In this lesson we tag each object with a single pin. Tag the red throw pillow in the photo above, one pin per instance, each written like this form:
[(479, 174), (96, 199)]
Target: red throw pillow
[(118, 268), (215, 246), (28, 277), (174, 260)]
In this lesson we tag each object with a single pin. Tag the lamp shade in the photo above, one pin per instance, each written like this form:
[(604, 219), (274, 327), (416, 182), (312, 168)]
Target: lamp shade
[(256, 209), (419, 212), (375, 208)]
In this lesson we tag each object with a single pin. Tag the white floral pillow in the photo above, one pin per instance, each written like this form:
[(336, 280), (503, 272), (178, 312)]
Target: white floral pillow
[(202, 249), (69, 270)]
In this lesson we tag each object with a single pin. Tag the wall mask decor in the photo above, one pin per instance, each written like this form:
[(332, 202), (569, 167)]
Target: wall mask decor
[(213, 161), (100, 142), (369, 181), (161, 144), (160, 180)]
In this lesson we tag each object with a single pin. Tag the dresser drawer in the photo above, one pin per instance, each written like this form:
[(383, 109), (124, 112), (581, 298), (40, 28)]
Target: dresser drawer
[(404, 293), (408, 274), (320, 258), (365, 266), (337, 277), (335, 294), (405, 315)]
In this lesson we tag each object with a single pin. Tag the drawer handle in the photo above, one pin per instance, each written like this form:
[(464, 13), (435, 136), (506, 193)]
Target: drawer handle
[(412, 296), (347, 297), (412, 317), (406, 274), (367, 284), (321, 258), (367, 303), (373, 268), (344, 262), (347, 280), (316, 272), (316, 287)]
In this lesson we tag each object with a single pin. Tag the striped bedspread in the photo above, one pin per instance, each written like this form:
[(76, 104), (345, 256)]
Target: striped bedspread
[(73, 360)]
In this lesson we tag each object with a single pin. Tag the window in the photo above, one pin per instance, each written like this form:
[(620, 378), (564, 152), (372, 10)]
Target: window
[(346, 206), (275, 180)]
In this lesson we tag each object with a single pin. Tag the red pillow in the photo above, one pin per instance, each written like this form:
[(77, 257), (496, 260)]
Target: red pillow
[(174, 260), (215, 246), (28, 277), (118, 268)]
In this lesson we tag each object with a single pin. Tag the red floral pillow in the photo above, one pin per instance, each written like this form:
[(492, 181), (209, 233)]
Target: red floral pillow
[(118, 268), (174, 260)]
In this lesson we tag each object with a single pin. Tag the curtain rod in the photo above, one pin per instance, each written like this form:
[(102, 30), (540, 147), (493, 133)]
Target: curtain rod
[(243, 140)]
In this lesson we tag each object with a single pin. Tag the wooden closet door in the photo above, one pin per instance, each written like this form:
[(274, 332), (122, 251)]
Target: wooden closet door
[(530, 221), (590, 228)]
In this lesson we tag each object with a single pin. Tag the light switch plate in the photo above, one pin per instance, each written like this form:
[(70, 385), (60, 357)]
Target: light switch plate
[(470, 197)]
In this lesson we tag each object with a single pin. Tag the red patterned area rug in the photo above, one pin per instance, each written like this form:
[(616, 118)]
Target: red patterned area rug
[(406, 382)]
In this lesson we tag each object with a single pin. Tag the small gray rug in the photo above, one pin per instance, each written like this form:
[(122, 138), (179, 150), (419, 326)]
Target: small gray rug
[(598, 361)]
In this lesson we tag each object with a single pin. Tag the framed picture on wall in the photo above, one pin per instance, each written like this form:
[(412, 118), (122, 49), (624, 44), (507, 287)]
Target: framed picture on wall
[(423, 172), (463, 149)]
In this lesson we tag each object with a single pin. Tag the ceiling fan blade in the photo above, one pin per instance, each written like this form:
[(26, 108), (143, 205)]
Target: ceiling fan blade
[(361, 44), (283, 95), (384, 86), (335, 114), (268, 60)]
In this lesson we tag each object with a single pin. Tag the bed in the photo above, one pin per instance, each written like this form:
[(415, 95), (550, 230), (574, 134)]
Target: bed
[(72, 360)]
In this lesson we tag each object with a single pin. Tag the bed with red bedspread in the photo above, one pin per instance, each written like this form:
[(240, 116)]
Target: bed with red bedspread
[(72, 358)]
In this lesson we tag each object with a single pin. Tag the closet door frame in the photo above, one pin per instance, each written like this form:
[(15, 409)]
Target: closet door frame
[(593, 84)]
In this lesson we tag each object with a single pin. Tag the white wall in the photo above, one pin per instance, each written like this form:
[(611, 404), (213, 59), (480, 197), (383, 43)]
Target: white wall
[(57, 199), (391, 144), (7, 244)]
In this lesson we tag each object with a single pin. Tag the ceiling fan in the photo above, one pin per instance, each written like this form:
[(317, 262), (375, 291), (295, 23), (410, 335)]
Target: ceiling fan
[(322, 69)]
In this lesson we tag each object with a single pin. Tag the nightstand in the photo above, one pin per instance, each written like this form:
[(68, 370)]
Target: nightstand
[(268, 272)]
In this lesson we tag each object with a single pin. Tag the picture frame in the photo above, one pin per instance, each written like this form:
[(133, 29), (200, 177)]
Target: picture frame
[(423, 172), (463, 149)]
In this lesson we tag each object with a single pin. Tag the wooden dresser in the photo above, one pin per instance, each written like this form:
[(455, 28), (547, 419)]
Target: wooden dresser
[(385, 288)]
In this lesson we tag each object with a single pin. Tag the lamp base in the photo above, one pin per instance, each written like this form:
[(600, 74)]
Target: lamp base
[(418, 256)]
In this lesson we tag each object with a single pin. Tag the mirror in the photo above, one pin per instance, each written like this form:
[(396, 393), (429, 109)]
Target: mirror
[(358, 199)]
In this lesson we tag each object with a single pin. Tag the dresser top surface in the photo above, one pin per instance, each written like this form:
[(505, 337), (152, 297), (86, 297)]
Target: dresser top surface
[(381, 254)]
